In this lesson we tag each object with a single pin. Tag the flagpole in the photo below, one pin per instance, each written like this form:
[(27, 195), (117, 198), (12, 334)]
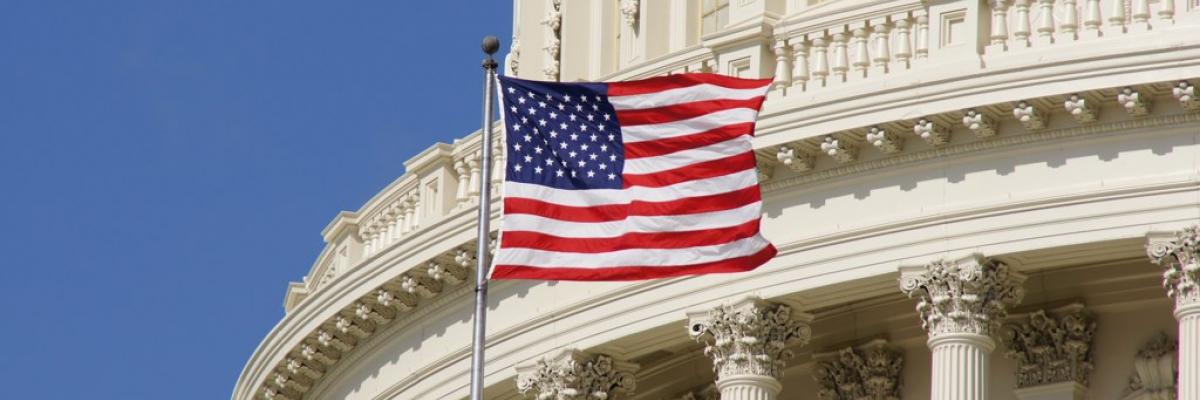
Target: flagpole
[(490, 45)]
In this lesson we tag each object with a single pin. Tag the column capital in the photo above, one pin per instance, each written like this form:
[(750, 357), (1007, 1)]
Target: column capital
[(1052, 348), (970, 295), (574, 375), (749, 337), (1179, 255), (868, 372)]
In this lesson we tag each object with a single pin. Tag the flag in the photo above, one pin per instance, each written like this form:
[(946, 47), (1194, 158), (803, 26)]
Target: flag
[(630, 180)]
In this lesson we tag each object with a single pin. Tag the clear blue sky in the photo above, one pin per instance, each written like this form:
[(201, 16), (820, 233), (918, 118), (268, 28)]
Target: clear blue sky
[(166, 168)]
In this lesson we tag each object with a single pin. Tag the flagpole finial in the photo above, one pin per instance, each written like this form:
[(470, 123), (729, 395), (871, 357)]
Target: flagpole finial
[(491, 44)]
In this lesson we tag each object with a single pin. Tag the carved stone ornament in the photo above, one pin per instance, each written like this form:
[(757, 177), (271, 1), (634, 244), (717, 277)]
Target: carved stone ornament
[(884, 140), (1154, 373), (1052, 349), (1080, 109), (930, 132), (794, 158), (1181, 258), (1032, 118), (750, 337), (553, 23), (870, 372), (969, 295), (978, 123), (514, 59), (1133, 102), (1185, 93), (629, 11), (839, 149), (573, 375), (708, 392)]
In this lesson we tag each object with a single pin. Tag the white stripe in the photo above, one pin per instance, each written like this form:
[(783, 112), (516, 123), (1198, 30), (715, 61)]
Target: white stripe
[(633, 224), (598, 197), (715, 151), (701, 92), (706, 122), (633, 257)]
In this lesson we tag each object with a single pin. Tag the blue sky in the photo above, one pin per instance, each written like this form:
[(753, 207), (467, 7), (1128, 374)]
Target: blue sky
[(166, 168)]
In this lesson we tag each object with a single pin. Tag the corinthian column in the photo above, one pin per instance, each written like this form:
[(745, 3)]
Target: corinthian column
[(748, 343), (574, 375), (1181, 258), (962, 304)]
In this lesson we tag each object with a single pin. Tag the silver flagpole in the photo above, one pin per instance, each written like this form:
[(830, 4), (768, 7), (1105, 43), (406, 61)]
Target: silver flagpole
[(490, 45)]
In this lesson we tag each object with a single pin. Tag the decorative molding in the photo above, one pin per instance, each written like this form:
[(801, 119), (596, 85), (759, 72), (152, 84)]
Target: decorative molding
[(1185, 94), (1133, 102), (1032, 118), (513, 59), (574, 375), (750, 337), (629, 12), (553, 23), (979, 124), (869, 372), (1080, 109), (794, 158), (839, 150), (930, 132), (1181, 258), (1154, 374), (969, 295), (1053, 348), (885, 141)]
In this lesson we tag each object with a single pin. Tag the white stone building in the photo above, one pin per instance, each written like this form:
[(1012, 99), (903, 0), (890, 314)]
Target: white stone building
[(964, 194)]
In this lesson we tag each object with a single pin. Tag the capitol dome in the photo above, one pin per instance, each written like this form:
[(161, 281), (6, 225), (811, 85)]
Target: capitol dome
[(971, 200)]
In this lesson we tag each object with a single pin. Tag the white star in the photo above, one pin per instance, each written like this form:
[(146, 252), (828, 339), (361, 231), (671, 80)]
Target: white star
[(529, 159), (530, 95), (579, 107), (597, 98), (582, 163), (521, 100), (591, 174), (513, 108), (553, 134), (524, 120), (517, 146), (594, 137), (528, 138), (558, 173), (572, 117), (511, 90), (607, 117), (612, 157), (583, 146), (516, 126), (537, 150), (590, 156), (532, 111), (561, 106), (603, 166), (612, 176), (574, 136), (537, 170), (517, 167), (542, 104), (600, 127), (591, 117), (542, 122), (572, 173), (583, 98), (563, 145), (582, 128), (562, 125), (572, 154), (549, 97), (553, 115), (595, 107), (566, 97), (604, 147), (549, 161), (612, 137)]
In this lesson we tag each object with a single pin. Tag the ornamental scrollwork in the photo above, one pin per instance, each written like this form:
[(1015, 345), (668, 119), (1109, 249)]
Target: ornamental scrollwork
[(1052, 349), (1181, 258), (629, 11), (1154, 372), (869, 373), (750, 338), (575, 376), (968, 296)]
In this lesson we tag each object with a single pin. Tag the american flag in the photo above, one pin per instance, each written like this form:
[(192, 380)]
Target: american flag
[(630, 180)]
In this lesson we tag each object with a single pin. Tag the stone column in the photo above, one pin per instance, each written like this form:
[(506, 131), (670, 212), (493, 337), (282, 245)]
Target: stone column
[(575, 375), (962, 304), (1181, 258), (748, 343), (1053, 353)]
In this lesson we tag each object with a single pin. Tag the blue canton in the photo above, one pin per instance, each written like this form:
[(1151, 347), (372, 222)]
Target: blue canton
[(562, 135)]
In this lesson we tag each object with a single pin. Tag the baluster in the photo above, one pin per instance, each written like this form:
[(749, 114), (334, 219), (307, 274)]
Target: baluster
[(1021, 31), (820, 60), (922, 36), (1117, 17), (473, 183), (366, 236), (1046, 21), (862, 60), (415, 211), (1166, 11), (841, 61), (392, 221), (1141, 15), (498, 169), (800, 64), (1091, 19), (883, 52), (406, 216), (782, 77), (1000, 23), (463, 177), (1070, 23), (903, 47)]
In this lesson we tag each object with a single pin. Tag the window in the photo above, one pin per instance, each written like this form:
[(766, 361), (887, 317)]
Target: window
[(714, 15)]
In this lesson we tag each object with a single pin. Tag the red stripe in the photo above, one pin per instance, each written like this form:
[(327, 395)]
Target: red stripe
[(633, 240), (616, 212), (651, 148), (703, 170), (630, 273), (676, 81), (682, 111)]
